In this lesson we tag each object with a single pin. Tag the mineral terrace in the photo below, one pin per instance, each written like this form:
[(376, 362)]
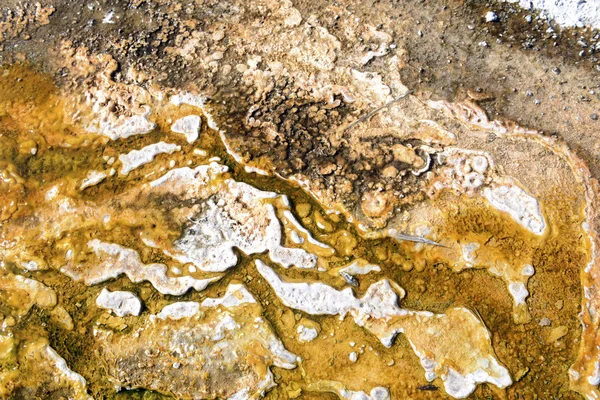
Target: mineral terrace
[(299, 200)]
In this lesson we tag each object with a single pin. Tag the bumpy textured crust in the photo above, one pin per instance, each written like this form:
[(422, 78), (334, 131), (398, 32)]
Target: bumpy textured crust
[(584, 374)]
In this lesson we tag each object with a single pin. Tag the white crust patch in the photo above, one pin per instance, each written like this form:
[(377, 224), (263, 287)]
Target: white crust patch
[(123, 128), (189, 126), (312, 298), (179, 310), (120, 302), (93, 178), (117, 260), (136, 158), (235, 296), (360, 267), (234, 214), (306, 334), (520, 205)]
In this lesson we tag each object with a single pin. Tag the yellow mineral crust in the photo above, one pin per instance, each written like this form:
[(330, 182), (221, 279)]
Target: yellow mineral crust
[(458, 161), (516, 196), (454, 346), (223, 214), (222, 348), (41, 370), (11, 185), (453, 191), (584, 374), (19, 294)]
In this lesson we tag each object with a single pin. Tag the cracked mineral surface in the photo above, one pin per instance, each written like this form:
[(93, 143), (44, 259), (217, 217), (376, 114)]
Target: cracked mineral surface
[(299, 200)]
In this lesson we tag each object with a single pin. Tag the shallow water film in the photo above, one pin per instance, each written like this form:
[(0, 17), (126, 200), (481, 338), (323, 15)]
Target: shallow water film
[(298, 200)]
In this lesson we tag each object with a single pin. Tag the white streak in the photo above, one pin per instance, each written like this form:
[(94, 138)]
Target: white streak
[(93, 178), (124, 127), (292, 219), (312, 298), (179, 310), (235, 296), (63, 368), (360, 268), (117, 260), (136, 158)]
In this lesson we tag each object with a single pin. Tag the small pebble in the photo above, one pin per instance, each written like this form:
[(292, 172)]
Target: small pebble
[(491, 16), (560, 304)]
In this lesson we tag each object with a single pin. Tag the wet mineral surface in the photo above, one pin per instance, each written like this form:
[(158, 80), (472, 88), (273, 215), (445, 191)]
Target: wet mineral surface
[(297, 200)]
